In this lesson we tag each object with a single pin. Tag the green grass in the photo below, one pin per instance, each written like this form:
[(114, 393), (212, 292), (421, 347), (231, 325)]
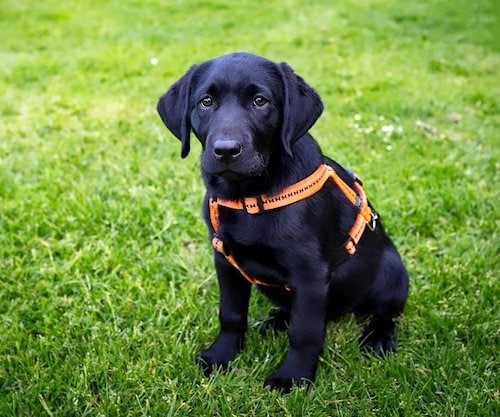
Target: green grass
[(107, 288)]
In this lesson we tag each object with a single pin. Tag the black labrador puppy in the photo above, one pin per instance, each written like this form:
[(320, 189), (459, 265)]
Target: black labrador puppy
[(274, 220)]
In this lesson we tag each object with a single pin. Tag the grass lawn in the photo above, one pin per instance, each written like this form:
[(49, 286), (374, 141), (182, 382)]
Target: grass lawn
[(107, 289)]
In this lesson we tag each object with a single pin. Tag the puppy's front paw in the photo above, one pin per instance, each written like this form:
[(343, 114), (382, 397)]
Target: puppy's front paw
[(209, 362), (221, 352), (284, 384)]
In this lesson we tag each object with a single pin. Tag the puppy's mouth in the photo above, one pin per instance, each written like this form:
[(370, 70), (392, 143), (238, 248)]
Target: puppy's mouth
[(232, 176), (252, 167)]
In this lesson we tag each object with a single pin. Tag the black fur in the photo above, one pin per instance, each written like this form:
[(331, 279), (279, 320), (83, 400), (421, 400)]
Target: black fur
[(252, 116)]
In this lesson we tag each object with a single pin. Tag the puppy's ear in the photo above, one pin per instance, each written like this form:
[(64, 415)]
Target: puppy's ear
[(174, 109), (301, 108)]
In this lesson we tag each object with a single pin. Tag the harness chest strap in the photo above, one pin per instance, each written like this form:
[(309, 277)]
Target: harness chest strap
[(296, 192), (218, 245)]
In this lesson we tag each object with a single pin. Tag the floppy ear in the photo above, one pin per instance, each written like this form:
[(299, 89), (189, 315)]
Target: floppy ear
[(301, 108), (174, 108)]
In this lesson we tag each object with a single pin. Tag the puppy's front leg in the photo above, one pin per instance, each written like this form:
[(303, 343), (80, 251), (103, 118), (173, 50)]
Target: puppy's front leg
[(233, 314), (306, 333)]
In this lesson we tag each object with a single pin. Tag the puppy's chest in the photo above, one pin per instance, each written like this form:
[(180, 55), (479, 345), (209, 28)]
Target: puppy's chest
[(258, 245), (243, 229)]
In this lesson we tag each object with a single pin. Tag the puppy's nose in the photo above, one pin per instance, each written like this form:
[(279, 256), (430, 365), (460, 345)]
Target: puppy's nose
[(227, 150)]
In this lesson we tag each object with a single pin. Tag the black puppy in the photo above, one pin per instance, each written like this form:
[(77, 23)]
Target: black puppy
[(304, 245)]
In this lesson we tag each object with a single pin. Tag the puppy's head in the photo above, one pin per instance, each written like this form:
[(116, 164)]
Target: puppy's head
[(242, 108)]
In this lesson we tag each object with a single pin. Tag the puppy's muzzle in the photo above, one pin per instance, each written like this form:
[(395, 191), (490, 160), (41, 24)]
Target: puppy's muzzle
[(227, 150)]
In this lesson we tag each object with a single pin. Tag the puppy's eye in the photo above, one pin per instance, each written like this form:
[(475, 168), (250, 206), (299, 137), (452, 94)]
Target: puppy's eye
[(206, 102), (260, 101)]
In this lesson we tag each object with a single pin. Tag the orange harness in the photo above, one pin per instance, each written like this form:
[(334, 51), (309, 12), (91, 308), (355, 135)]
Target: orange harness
[(296, 192)]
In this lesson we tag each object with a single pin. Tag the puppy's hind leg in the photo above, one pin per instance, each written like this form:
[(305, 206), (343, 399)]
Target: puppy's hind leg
[(277, 321), (388, 300), (279, 317)]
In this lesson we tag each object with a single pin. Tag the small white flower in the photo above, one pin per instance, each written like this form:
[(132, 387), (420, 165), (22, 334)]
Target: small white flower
[(389, 147), (357, 117), (387, 129), (154, 61)]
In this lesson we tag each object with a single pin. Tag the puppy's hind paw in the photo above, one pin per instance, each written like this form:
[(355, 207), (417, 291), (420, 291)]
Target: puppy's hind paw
[(276, 322), (377, 343)]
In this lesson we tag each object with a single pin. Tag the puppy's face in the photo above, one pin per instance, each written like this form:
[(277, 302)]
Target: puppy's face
[(242, 108), (236, 113)]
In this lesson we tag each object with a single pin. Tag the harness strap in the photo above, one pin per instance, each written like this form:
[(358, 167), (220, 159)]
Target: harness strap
[(291, 194), (218, 245), (296, 192)]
